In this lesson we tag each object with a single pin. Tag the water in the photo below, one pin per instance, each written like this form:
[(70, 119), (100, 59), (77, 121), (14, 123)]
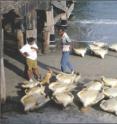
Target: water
[(94, 20)]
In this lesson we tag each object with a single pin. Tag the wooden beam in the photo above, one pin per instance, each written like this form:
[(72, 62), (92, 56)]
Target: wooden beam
[(65, 14), (2, 72), (44, 4)]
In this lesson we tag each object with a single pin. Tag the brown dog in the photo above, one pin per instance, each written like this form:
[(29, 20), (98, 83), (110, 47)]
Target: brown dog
[(47, 77)]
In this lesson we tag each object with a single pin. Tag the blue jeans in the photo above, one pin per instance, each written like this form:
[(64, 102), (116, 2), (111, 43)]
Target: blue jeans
[(65, 63)]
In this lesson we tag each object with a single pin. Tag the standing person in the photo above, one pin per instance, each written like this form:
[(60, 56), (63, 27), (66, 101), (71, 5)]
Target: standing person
[(66, 47), (30, 52)]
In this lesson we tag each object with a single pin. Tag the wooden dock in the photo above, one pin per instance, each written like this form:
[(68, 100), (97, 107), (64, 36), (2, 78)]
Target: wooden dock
[(65, 15)]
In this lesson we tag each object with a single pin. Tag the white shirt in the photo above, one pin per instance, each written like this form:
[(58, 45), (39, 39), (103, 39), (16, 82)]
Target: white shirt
[(32, 54), (66, 42)]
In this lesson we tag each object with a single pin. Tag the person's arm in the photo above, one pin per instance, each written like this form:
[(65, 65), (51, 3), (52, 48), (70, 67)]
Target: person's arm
[(23, 52), (71, 46), (69, 42), (35, 47)]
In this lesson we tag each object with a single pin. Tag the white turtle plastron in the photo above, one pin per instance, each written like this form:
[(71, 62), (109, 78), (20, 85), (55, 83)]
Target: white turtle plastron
[(109, 105), (80, 51)]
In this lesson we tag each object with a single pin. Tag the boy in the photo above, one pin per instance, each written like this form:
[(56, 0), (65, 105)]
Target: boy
[(29, 51), (66, 44)]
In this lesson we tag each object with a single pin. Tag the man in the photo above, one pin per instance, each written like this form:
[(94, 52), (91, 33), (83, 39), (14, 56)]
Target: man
[(29, 51), (66, 46)]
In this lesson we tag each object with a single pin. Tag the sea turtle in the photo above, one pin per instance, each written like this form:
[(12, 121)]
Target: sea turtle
[(36, 89), (68, 78), (110, 91), (94, 85), (80, 51), (113, 47), (109, 105), (100, 52), (99, 44), (33, 101), (111, 82), (30, 84), (64, 98), (61, 87), (90, 97)]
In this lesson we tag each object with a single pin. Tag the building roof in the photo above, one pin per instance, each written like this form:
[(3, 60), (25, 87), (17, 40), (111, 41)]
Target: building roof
[(60, 4), (7, 5)]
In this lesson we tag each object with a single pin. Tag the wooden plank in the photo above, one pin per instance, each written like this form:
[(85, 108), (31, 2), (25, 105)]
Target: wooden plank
[(70, 9), (60, 4), (2, 73), (44, 4), (50, 20), (31, 33), (64, 15)]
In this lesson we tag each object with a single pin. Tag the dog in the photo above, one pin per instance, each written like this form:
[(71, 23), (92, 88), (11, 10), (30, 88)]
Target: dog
[(47, 77)]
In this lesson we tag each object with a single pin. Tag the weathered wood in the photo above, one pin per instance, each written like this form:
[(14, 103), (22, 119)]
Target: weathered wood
[(70, 9), (44, 4), (58, 17), (64, 15), (20, 38), (60, 4), (31, 33), (49, 29), (2, 72)]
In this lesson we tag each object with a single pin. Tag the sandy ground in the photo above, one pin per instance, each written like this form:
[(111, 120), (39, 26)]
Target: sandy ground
[(90, 68)]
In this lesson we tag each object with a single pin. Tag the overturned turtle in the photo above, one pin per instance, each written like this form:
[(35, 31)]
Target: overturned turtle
[(111, 82), (93, 47), (113, 47), (90, 97), (80, 51), (94, 85), (99, 44), (100, 52), (37, 89), (33, 101), (109, 105), (61, 87), (30, 84), (110, 91), (68, 78), (64, 98)]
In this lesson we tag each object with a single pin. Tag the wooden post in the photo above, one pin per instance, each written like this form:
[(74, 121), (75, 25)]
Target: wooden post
[(2, 72), (52, 43), (32, 32), (48, 29), (49, 24)]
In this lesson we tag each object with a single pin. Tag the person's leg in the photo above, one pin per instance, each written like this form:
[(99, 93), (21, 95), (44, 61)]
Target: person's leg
[(25, 70), (63, 62), (36, 73), (69, 65), (29, 69), (36, 70), (29, 72)]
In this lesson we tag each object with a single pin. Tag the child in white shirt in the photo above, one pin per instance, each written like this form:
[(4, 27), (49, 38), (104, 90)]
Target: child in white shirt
[(29, 51)]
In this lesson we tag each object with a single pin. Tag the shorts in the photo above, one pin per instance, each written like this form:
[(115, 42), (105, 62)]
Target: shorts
[(32, 64)]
